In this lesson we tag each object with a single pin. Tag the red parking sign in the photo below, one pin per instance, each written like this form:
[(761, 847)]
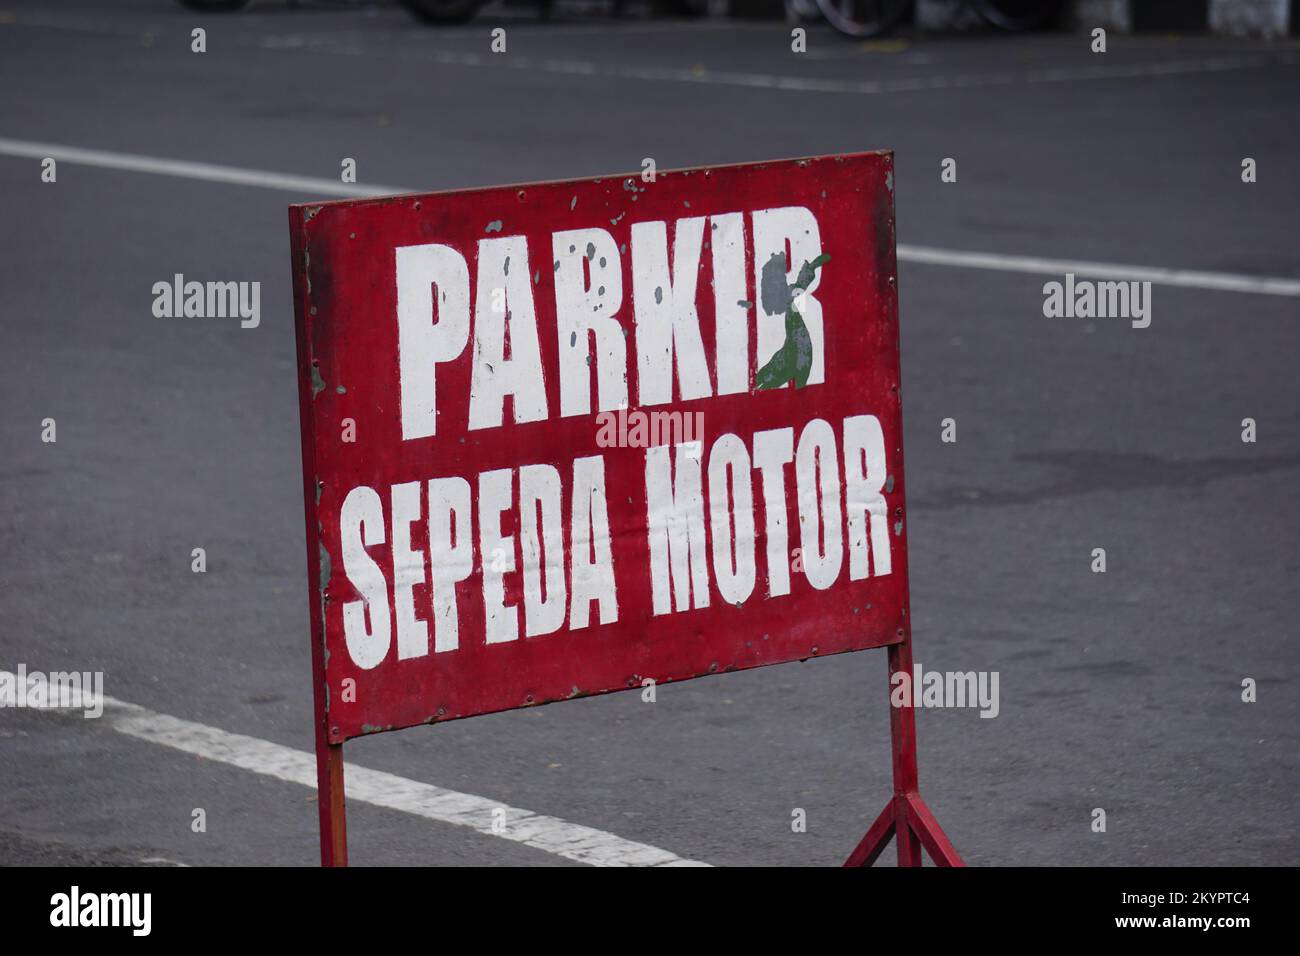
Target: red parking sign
[(568, 438)]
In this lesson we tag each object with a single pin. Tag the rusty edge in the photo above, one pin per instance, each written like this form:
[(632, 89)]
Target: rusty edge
[(312, 209)]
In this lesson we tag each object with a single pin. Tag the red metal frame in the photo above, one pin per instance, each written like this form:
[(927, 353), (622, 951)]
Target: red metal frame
[(870, 286)]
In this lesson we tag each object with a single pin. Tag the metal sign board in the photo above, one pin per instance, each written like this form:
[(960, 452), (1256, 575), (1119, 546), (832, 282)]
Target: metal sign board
[(562, 439)]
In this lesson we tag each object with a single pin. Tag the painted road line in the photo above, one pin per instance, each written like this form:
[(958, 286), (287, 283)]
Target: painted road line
[(925, 255), (1187, 278), (208, 172), (702, 74), (831, 85), (572, 841)]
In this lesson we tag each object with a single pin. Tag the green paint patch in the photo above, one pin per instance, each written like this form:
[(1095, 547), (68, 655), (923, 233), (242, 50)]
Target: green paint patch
[(793, 360)]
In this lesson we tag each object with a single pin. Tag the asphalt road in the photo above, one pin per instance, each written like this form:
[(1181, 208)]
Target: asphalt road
[(1119, 690)]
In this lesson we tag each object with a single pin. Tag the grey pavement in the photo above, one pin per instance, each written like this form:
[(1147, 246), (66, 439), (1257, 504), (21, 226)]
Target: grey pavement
[(1119, 691)]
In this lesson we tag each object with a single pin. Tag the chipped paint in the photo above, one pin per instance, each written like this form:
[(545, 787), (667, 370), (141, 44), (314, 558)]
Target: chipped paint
[(326, 573), (775, 293), (326, 569), (358, 346)]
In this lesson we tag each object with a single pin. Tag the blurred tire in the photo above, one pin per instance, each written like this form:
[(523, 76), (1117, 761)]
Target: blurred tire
[(864, 18), (443, 11)]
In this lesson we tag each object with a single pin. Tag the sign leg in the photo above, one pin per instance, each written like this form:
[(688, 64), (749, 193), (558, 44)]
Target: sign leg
[(908, 846), (877, 838), (333, 820), (906, 818), (930, 834)]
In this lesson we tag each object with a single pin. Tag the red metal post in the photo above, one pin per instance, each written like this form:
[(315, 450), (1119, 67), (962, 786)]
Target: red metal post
[(902, 721), (902, 732), (330, 795), (329, 757)]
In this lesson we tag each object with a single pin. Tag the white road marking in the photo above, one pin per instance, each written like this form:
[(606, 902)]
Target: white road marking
[(551, 834), (926, 255), (1187, 278), (699, 73), (208, 172), (815, 84)]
